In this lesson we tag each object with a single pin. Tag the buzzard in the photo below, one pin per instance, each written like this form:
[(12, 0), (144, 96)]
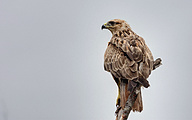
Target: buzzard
[(129, 61)]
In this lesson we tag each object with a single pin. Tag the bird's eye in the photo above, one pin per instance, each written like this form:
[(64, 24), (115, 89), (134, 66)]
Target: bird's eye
[(112, 23)]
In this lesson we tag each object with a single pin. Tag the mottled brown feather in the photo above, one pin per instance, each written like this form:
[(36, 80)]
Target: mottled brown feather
[(128, 58)]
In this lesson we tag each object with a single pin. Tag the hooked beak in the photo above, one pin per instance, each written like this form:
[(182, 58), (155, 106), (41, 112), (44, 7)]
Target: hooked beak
[(103, 26)]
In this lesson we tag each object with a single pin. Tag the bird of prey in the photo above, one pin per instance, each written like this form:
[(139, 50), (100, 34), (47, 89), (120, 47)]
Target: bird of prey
[(129, 61)]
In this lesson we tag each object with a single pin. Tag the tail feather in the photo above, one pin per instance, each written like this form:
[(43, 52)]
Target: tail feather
[(124, 93), (125, 90), (138, 105)]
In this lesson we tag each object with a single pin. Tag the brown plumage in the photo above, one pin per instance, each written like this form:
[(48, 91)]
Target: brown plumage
[(128, 59)]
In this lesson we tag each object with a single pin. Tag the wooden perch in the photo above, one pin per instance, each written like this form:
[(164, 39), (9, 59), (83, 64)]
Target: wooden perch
[(157, 63), (123, 114)]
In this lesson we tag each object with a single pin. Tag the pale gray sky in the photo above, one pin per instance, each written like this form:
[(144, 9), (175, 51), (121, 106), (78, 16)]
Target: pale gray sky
[(51, 65)]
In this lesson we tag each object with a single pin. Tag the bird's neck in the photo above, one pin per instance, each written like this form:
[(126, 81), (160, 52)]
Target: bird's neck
[(123, 33)]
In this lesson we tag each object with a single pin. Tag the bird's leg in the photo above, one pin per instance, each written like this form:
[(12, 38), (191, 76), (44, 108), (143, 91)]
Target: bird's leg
[(118, 99), (117, 80)]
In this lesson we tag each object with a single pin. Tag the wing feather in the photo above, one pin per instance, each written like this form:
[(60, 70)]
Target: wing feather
[(128, 57)]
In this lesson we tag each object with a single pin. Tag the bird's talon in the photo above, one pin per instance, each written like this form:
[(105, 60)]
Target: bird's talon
[(118, 108)]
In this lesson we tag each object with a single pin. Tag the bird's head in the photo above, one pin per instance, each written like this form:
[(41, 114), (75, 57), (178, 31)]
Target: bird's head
[(116, 25)]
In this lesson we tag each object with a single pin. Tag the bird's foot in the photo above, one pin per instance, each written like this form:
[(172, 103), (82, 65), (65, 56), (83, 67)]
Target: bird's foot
[(118, 108)]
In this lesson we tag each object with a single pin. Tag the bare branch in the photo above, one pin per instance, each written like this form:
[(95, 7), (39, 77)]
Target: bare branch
[(157, 63), (124, 113)]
